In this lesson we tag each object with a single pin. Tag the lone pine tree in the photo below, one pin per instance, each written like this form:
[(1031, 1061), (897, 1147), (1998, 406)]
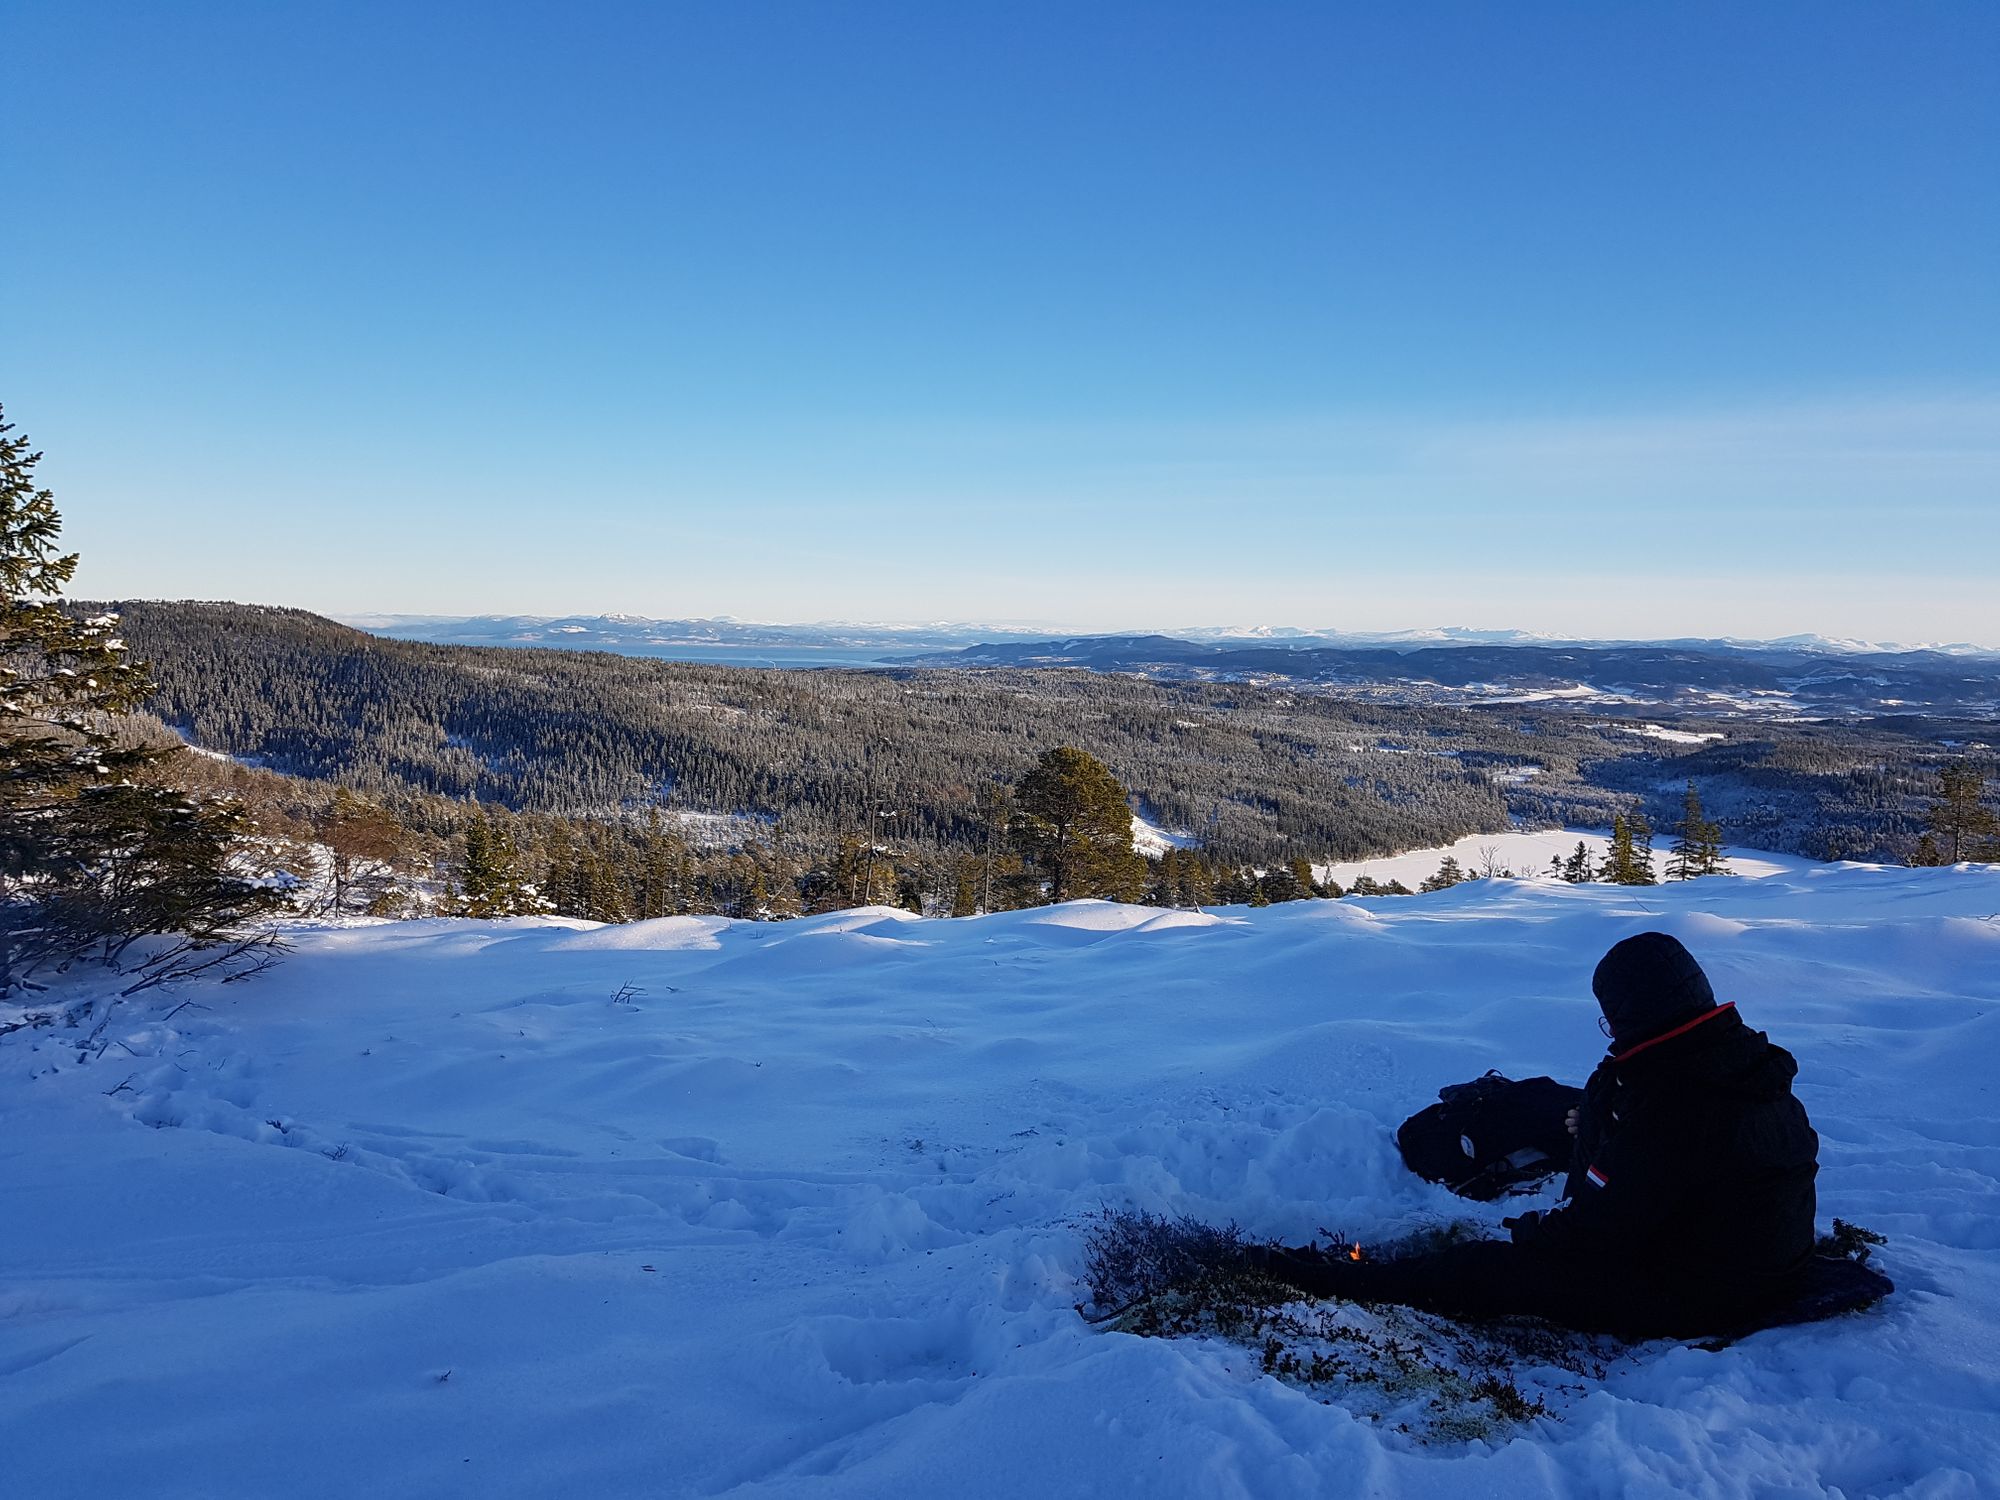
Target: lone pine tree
[(1962, 826), (1072, 822)]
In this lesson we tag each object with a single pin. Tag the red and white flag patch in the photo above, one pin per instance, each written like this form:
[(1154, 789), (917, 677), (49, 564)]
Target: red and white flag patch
[(1597, 1177)]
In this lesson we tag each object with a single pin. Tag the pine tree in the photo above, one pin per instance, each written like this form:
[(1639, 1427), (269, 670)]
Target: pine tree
[(843, 886), (1368, 885), (1629, 860), (95, 852), (1697, 846), (59, 678), (149, 863), (1958, 816), (559, 886), (1617, 854), (680, 877), (1282, 884), (660, 878), (1073, 822), (965, 888), (1194, 881), (1926, 855), (1577, 868), (994, 802), (600, 894), (755, 900), (1448, 875), (476, 876), (1682, 855), (489, 878), (1640, 833)]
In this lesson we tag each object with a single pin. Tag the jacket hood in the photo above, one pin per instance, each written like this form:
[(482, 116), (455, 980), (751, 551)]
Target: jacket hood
[(1647, 985)]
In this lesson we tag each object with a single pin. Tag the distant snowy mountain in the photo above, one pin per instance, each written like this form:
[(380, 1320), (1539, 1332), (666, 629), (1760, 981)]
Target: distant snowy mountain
[(1801, 675), (1868, 648), (1445, 635), (639, 635), (645, 635)]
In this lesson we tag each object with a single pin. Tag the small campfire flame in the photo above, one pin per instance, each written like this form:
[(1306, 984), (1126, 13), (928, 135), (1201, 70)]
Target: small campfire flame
[(1354, 1252)]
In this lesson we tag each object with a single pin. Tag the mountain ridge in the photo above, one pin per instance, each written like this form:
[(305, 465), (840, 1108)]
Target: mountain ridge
[(726, 629)]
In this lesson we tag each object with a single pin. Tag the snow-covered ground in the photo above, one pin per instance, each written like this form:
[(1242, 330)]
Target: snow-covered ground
[(1151, 840), (425, 1212), (1673, 736), (1529, 854)]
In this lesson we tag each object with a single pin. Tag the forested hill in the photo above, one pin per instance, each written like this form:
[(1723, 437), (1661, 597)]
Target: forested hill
[(578, 732), (1257, 774)]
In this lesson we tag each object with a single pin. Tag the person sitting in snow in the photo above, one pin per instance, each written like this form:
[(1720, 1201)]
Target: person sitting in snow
[(1689, 1205)]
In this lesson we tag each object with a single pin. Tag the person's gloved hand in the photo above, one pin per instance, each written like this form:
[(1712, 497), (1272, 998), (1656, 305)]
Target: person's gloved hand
[(1524, 1227)]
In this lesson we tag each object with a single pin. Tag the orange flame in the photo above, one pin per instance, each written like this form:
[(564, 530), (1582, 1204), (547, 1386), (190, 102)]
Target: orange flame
[(1354, 1252)]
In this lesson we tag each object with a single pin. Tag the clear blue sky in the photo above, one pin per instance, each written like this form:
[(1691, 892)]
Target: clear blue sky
[(1627, 319)]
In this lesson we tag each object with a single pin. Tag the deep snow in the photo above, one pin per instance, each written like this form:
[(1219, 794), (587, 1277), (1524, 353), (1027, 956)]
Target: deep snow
[(426, 1213)]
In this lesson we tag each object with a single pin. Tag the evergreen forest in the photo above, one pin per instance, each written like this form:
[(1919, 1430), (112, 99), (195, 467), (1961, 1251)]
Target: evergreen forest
[(803, 758)]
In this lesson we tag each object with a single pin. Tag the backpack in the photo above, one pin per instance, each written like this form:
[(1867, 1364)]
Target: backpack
[(1491, 1136)]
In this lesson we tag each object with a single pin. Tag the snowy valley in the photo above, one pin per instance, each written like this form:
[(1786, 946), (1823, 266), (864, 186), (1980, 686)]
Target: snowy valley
[(702, 1207)]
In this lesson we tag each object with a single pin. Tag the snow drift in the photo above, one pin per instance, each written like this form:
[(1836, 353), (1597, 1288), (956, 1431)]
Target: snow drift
[(428, 1212)]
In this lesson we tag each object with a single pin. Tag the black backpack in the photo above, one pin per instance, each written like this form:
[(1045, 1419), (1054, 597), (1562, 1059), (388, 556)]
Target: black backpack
[(1491, 1136)]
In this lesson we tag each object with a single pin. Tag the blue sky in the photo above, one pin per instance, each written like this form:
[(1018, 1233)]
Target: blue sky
[(1610, 319)]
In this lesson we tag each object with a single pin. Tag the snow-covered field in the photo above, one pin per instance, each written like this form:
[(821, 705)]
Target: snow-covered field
[(1672, 736), (425, 1212), (1529, 854)]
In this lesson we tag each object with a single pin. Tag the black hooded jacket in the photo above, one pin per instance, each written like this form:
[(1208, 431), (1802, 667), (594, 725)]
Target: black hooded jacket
[(1693, 1162)]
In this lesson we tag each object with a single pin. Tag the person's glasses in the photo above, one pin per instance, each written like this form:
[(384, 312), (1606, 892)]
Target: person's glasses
[(1604, 1025)]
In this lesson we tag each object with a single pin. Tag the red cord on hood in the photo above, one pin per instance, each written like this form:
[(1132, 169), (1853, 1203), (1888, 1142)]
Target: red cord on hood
[(1668, 1036)]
